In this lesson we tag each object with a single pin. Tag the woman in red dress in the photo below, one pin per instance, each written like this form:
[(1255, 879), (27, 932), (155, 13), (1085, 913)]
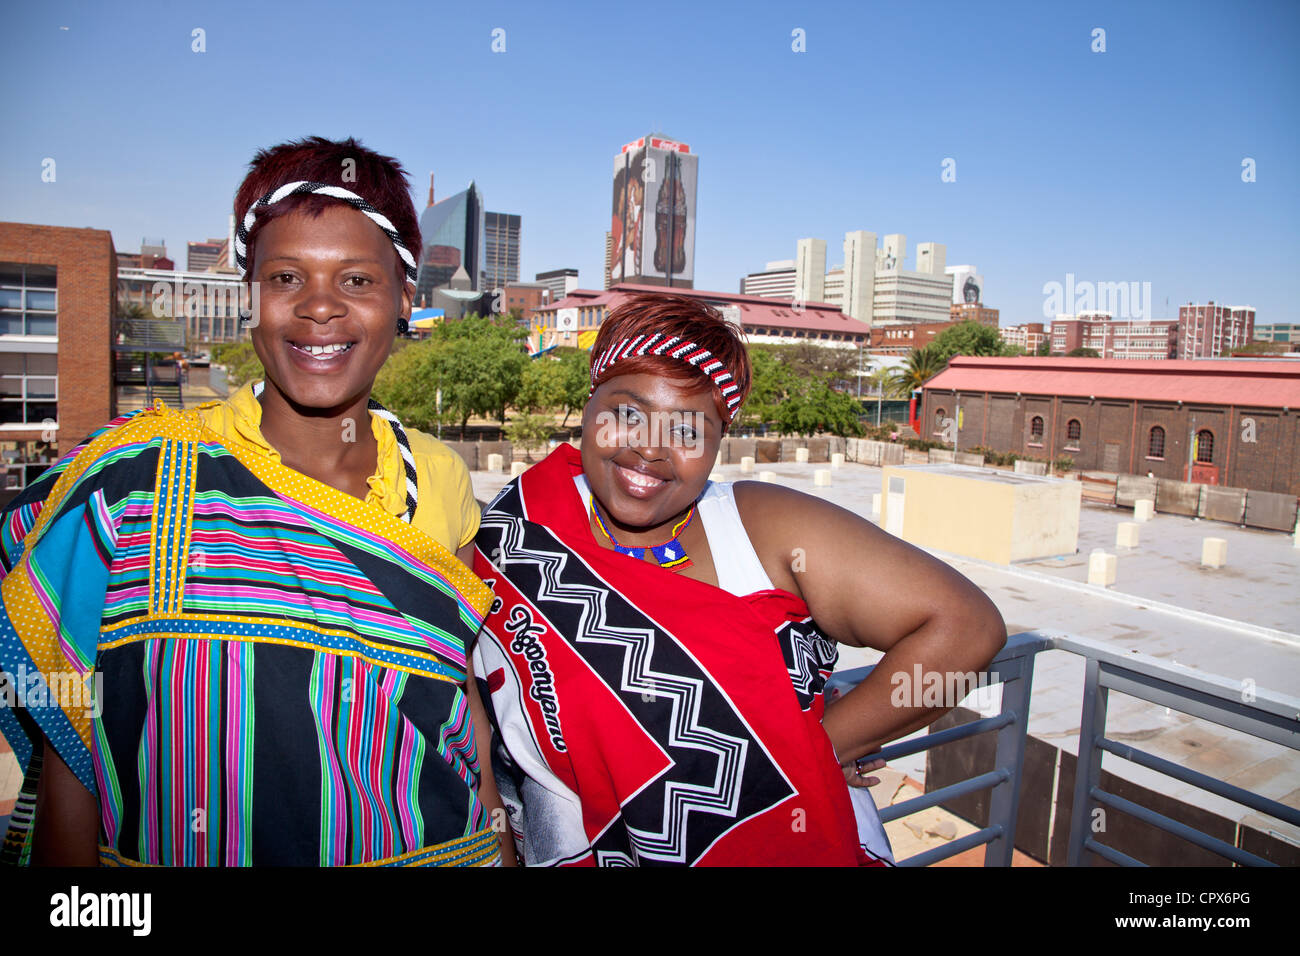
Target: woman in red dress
[(658, 644)]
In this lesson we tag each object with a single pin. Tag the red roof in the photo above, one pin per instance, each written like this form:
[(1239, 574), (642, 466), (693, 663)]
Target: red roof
[(1255, 383), (755, 311)]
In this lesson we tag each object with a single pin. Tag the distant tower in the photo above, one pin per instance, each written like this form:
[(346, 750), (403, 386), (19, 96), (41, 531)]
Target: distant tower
[(810, 271), (859, 275), (652, 231)]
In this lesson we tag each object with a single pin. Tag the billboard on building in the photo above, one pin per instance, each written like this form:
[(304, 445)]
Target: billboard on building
[(967, 285), (653, 225)]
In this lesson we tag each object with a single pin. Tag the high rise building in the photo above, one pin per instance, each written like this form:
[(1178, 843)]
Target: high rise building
[(810, 271), (859, 276), (923, 295), (501, 249), (452, 230), (202, 256), (652, 232), (776, 281), (560, 281), (1208, 331)]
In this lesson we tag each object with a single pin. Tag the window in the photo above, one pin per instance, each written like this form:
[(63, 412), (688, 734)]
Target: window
[(1205, 446), (29, 388), (1156, 443), (1072, 432), (1036, 428), (28, 299)]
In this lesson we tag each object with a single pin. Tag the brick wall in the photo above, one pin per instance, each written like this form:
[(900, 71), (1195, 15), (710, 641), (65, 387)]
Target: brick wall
[(87, 278)]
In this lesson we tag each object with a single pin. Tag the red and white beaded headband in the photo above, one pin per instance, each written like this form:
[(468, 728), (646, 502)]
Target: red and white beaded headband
[(334, 192), (673, 347)]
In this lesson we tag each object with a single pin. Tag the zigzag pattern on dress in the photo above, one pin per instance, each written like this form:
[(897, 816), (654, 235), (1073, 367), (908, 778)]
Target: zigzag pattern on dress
[(719, 797), (809, 658)]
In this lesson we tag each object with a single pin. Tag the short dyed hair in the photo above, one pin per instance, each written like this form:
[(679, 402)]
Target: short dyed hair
[(380, 180), (687, 318)]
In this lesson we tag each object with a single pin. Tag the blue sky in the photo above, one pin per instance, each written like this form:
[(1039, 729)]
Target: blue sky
[(1115, 166)]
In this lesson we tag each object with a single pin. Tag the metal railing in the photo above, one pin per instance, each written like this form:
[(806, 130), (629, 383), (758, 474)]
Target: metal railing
[(1261, 714)]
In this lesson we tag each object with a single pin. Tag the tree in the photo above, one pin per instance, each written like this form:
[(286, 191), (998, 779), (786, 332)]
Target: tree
[(818, 407), (1083, 352), (541, 386), (772, 383), (241, 362), (1044, 347), (968, 338), (576, 366), (922, 365)]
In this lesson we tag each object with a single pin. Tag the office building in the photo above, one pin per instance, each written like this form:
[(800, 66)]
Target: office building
[(501, 249), (452, 230), (776, 281), (810, 271), (1209, 331), (1154, 339), (652, 232), (560, 281)]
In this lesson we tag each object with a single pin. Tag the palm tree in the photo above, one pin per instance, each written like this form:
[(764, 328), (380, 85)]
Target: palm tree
[(922, 364)]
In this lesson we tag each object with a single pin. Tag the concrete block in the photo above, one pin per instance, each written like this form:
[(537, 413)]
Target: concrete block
[(789, 447), (1268, 509), (767, 476), (1144, 509), (1101, 568), (1223, 504), (968, 458), (1178, 497), (1131, 488), (850, 449), (716, 476), (875, 507), (468, 451), (717, 462), (837, 459), (736, 449), (819, 450), (1214, 552), (747, 465), (768, 450), (822, 477), (502, 448), (801, 455), (495, 463), (1023, 467), (942, 456), (1126, 535), (517, 468)]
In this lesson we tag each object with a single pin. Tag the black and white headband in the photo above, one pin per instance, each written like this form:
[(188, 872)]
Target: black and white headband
[(673, 347), (322, 189)]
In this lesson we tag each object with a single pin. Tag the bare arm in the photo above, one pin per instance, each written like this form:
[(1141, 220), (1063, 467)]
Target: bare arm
[(66, 827), (869, 589), (487, 791)]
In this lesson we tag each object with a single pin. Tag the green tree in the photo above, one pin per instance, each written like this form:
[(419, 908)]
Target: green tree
[(818, 407), (922, 365), (541, 386), (772, 383), (241, 362), (576, 366), (968, 338), (1083, 352)]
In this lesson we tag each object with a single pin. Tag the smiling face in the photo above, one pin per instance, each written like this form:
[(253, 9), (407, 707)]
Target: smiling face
[(648, 446), (329, 301)]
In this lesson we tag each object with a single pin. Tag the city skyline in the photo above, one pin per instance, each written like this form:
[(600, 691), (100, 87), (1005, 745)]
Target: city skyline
[(1115, 166)]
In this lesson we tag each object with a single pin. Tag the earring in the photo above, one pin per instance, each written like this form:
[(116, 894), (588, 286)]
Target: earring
[(403, 326)]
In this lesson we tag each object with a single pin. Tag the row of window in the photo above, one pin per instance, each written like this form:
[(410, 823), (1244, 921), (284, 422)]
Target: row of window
[(1074, 432)]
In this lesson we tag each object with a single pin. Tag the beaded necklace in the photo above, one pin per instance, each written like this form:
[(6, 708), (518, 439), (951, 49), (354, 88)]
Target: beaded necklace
[(669, 555)]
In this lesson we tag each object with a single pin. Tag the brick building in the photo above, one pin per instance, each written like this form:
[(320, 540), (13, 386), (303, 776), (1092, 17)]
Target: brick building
[(1149, 339), (1208, 331), (1029, 336), (57, 292), (1228, 422), (903, 337), (974, 312)]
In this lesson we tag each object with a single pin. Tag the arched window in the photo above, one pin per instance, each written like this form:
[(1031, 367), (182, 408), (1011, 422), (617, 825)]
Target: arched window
[(1205, 445), (1036, 428), (1073, 429), (1156, 443)]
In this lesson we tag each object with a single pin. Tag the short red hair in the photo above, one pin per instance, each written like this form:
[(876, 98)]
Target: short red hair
[(689, 319), (379, 180)]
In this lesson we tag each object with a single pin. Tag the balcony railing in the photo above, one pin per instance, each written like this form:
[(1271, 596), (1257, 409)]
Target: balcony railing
[(1261, 714)]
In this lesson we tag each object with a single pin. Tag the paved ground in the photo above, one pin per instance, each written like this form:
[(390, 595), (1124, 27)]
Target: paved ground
[(1241, 622)]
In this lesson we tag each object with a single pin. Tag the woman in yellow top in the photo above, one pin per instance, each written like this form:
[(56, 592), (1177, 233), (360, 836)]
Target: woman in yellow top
[(270, 595)]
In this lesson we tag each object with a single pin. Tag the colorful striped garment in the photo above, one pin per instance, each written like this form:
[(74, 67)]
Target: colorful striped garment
[(280, 667)]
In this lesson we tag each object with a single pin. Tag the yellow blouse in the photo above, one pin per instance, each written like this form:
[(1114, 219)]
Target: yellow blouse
[(446, 510)]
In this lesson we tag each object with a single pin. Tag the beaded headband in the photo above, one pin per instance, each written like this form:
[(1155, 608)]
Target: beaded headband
[(322, 189), (676, 348)]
